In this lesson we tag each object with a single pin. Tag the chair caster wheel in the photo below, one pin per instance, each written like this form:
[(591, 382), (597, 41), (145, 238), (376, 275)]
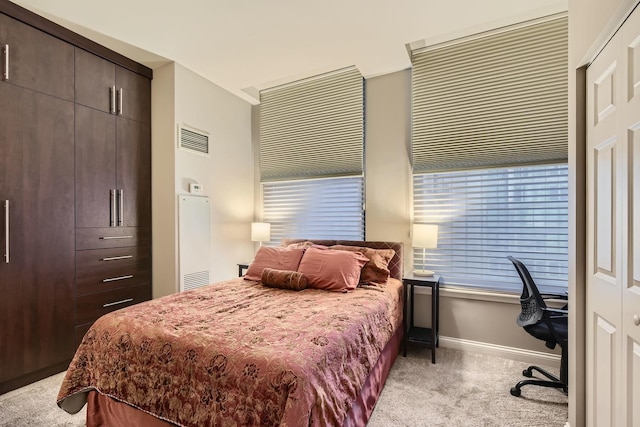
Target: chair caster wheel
[(515, 392), (527, 373)]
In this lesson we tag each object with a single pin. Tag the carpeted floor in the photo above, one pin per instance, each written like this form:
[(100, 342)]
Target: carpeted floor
[(461, 389)]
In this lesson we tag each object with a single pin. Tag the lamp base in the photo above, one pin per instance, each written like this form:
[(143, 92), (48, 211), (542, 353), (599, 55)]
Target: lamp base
[(423, 273)]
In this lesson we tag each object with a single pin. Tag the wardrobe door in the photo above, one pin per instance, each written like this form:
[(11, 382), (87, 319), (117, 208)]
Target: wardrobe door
[(36, 60), (134, 95), (134, 172), (36, 279), (95, 153), (95, 81)]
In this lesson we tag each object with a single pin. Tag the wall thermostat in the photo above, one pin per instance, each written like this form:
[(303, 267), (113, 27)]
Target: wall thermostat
[(195, 188)]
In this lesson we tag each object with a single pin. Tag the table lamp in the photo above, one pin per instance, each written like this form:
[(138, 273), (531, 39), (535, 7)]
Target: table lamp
[(425, 236), (260, 232)]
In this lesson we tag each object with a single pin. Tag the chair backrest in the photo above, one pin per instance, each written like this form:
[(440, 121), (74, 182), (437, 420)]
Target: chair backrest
[(531, 301)]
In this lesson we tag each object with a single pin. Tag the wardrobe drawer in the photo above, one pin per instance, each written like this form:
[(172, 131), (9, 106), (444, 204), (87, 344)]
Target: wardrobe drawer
[(90, 307), (99, 270), (111, 237)]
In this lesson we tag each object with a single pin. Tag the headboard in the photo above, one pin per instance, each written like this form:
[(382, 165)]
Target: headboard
[(396, 268)]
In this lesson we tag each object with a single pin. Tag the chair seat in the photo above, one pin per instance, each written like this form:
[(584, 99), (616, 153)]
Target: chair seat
[(542, 332)]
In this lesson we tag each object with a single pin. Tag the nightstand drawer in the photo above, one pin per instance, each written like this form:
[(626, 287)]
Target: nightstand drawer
[(90, 307), (111, 237), (99, 270)]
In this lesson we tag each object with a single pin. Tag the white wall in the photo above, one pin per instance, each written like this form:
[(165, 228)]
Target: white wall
[(181, 97)]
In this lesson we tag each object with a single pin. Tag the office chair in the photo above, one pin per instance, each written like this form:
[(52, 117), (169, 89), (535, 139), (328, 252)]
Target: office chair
[(546, 324)]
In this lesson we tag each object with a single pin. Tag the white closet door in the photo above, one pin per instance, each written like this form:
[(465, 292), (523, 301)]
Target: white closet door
[(630, 111), (613, 241)]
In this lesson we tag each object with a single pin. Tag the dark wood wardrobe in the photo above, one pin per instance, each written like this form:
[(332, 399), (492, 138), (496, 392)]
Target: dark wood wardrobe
[(75, 191)]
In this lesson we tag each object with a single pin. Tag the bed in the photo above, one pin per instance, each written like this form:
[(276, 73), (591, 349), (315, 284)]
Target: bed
[(242, 353)]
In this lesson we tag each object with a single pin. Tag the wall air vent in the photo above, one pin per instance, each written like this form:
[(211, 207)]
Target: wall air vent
[(194, 140)]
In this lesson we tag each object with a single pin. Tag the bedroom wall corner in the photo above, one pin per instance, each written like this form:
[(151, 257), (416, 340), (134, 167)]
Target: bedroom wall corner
[(164, 210), (387, 159)]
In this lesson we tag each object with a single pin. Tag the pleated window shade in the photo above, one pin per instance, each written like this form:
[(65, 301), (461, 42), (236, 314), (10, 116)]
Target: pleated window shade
[(498, 99), (313, 127)]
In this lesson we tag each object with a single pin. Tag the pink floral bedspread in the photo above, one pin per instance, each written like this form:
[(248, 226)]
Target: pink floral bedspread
[(239, 353)]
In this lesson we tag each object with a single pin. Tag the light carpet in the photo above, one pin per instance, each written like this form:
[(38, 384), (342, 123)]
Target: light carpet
[(461, 389)]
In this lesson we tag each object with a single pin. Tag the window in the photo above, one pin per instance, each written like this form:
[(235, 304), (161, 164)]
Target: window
[(328, 208), (487, 111), (485, 215), (311, 157)]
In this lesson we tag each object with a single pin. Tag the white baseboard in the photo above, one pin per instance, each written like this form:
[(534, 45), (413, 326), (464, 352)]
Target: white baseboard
[(528, 356)]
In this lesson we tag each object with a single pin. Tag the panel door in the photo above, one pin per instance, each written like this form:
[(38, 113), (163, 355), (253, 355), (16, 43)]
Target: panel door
[(134, 172), (629, 52), (613, 239), (95, 154), (36, 284), (37, 60)]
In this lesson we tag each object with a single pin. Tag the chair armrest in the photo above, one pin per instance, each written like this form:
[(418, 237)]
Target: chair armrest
[(555, 312), (555, 296)]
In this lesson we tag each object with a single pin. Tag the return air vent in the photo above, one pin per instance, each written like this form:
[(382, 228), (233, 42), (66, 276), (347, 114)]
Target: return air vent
[(194, 140)]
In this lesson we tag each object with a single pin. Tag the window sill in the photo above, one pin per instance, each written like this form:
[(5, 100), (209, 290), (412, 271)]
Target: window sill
[(482, 295)]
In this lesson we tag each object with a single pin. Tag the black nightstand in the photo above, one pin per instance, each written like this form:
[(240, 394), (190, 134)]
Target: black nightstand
[(242, 267), (427, 336)]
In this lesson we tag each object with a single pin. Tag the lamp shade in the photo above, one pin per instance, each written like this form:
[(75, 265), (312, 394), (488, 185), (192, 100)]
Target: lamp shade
[(260, 231), (425, 236)]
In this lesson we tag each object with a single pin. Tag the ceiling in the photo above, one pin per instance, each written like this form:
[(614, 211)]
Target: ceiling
[(244, 46)]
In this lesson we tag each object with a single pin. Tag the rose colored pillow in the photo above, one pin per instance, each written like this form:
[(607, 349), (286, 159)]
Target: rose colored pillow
[(284, 279), (274, 257), (332, 270), (376, 270)]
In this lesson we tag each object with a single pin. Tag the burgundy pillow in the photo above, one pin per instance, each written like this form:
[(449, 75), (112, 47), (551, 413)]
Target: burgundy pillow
[(332, 270), (274, 257), (284, 279), (376, 270)]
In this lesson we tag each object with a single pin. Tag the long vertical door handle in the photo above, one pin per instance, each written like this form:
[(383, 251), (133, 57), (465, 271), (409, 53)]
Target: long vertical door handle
[(5, 71), (120, 95), (6, 231), (112, 207), (112, 101), (120, 207)]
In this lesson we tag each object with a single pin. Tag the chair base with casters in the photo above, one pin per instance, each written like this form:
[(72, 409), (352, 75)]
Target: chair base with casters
[(553, 381)]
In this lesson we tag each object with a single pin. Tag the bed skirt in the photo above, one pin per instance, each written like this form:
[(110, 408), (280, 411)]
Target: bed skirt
[(103, 411)]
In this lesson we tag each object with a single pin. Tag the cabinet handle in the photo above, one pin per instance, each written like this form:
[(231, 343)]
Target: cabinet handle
[(112, 207), (114, 237), (114, 258), (112, 103), (5, 72), (636, 320), (120, 207), (115, 279), (6, 231), (109, 304), (120, 95)]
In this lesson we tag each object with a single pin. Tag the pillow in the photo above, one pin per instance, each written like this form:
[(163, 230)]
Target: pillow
[(332, 270), (273, 257), (376, 270), (283, 279), (306, 244)]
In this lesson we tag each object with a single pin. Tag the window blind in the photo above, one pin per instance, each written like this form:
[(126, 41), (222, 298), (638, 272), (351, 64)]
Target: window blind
[(313, 127), (493, 100), (330, 208), (485, 215)]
